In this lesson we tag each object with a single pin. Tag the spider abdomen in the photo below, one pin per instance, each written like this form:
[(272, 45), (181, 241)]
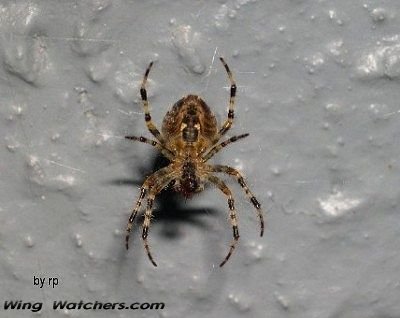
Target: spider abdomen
[(190, 126), (190, 117), (189, 182)]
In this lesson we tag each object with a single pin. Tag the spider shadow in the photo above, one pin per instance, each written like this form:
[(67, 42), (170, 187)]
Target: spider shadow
[(169, 214)]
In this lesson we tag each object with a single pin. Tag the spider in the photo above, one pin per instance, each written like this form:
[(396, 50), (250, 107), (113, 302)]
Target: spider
[(188, 139)]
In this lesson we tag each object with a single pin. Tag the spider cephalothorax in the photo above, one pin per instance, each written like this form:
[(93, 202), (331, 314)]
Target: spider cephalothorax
[(188, 139)]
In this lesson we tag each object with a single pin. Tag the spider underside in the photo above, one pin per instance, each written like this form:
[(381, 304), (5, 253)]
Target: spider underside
[(188, 139)]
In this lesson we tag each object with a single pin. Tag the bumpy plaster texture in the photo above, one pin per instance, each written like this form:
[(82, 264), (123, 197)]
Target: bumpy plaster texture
[(318, 91)]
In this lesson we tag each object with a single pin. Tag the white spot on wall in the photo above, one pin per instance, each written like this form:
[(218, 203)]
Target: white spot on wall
[(238, 164), (78, 240), (65, 180), (240, 303), (282, 300), (338, 204), (185, 42), (382, 61), (333, 15), (126, 83), (29, 242), (378, 14)]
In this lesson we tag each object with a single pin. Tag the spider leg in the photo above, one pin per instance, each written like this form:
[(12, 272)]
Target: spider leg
[(162, 182), (223, 144), (228, 123), (157, 180), (166, 152), (134, 213), (143, 93), (146, 224), (232, 214), (249, 194)]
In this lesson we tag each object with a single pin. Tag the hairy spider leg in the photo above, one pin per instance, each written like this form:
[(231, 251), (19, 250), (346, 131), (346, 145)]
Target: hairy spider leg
[(134, 213), (233, 172), (166, 152), (158, 180), (147, 117), (223, 144), (146, 224), (228, 123), (161, 184), (232, 213)]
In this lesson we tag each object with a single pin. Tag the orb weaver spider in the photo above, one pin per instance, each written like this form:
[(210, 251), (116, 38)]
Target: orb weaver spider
[(188, 139)]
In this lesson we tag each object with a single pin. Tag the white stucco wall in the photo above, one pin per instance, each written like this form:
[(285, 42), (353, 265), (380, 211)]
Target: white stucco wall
[(318, 91)]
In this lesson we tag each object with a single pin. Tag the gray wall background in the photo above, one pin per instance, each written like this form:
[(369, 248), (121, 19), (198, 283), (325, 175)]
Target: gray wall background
[(318, 91)]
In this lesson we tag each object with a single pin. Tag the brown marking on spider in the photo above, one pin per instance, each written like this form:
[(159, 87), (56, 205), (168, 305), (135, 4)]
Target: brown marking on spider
[(188, 139)]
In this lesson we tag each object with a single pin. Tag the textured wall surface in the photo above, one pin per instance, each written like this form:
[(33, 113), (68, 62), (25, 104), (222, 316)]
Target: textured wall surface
[(318, 91)]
